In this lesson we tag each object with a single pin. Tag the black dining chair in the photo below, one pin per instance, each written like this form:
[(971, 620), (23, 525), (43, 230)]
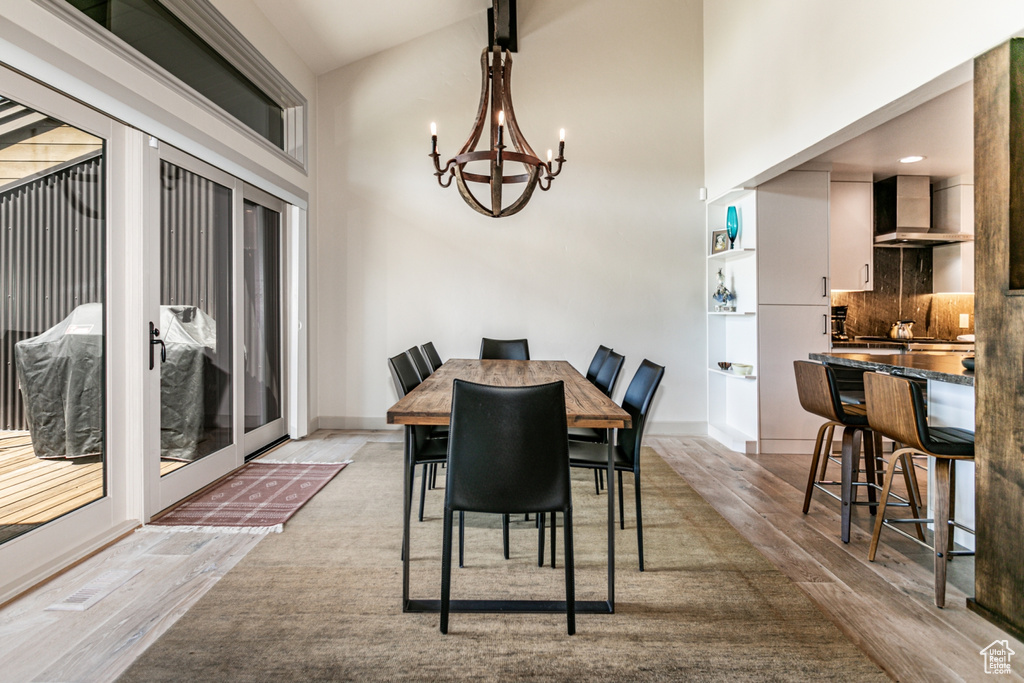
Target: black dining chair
[(504, 349), (423, 368), (431, 355), (427, 448), (605, 379), (636, 402), (508, 453), (596, 362)]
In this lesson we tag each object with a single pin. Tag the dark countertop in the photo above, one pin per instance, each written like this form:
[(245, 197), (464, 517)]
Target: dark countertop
[(943, 367)]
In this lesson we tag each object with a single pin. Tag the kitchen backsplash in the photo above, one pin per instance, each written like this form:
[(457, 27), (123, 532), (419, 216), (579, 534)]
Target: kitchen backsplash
[(903, 286)]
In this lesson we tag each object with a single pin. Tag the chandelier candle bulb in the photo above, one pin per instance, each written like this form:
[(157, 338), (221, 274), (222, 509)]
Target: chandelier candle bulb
[(561, 134), (549, 156)]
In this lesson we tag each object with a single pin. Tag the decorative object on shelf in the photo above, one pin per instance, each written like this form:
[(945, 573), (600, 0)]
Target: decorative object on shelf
[(967, 362), (719, 242), (742, 368), (725, 300), (725, 365), (732, 225), (496, 64)]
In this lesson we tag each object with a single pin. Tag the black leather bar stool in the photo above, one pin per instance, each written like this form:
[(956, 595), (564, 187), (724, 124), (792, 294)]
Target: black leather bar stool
[(896, 409), (819, 395)]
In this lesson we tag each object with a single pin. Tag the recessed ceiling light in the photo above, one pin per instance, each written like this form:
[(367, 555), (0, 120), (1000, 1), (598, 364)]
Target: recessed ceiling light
[(911, 159)]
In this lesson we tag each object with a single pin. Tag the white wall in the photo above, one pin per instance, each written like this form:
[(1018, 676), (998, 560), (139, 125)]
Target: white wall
[(613, 254), (781, 76)]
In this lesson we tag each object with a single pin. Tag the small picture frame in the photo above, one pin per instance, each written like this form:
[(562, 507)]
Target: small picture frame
[(719, 241)]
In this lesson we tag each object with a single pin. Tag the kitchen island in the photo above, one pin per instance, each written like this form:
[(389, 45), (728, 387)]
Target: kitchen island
[(950, 404)]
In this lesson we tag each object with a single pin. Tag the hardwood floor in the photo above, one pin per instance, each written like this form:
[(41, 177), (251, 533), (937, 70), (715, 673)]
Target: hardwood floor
[(885, 607)]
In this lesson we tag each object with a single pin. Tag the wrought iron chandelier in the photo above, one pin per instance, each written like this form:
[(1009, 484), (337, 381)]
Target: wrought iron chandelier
[(506, 142)]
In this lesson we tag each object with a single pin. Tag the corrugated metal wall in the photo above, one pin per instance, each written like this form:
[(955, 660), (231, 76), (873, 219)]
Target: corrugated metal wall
[(194, 211), (52, 257)]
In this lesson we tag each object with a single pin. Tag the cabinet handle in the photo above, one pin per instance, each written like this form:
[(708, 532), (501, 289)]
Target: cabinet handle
[(824, 286), (824, 323), (867, 273)]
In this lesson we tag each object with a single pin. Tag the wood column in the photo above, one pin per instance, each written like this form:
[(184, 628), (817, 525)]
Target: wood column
[(999, 316)]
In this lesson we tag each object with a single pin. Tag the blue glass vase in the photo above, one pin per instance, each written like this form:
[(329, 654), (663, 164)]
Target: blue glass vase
[(732, 225)]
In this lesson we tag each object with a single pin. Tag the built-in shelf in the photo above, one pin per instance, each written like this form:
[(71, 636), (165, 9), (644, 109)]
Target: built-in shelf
[(733, 313), (731, 254), (716, 371)]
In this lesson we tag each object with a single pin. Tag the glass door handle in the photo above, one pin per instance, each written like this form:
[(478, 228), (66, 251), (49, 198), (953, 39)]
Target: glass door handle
[(154, 339)]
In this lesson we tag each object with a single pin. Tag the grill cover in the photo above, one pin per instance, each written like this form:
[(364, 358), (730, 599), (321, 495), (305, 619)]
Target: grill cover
[(61, 377)]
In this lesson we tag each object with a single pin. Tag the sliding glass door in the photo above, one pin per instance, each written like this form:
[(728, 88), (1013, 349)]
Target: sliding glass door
[(215, 307), (263, 338)]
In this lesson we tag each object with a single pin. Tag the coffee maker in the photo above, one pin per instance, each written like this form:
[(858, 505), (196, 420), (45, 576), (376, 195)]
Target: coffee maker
[(839, 323)]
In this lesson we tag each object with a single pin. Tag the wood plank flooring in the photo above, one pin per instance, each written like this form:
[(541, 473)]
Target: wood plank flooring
[(885, 607)]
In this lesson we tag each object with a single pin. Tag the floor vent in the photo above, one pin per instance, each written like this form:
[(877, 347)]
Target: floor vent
[(94, 591)]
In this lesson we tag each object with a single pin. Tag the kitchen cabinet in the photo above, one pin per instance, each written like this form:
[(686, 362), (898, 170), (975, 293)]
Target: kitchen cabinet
[(788, 333), (953, 207), (851, 236), (792, 215)]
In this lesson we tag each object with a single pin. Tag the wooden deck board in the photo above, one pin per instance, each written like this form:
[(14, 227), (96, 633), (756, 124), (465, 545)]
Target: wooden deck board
[(35, 490)]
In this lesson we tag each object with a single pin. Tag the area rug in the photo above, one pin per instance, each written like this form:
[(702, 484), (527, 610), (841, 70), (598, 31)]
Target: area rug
[(322, 601), (260, 497)]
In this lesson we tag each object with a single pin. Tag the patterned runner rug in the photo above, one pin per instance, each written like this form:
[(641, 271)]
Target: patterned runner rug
[(258, 498)]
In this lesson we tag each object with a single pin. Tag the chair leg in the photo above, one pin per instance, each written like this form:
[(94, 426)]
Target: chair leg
[(952, 504), (446, 569), (639, 518), (462, 539), (597, 483), (600, 476), (423, 488), (504, 534), (814, 464), (880, 517), (851, 454), (913, 490), (827, 446), (554, 527), (622, 508), (942, 497), (540, 537), (869, 469), (570, 573)]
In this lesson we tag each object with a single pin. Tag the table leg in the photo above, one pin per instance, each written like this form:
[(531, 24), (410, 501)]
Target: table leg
[(407, 510), (611, 521)]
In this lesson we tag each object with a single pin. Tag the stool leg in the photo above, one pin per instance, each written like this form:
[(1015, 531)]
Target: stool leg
[(880, 517), (869, 468), (941, 528), (913, 491), (851, 454), (814, 464), (952, 504), (827, 449)]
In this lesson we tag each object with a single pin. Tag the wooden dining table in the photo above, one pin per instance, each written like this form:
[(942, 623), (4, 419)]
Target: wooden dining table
[(430, 404)]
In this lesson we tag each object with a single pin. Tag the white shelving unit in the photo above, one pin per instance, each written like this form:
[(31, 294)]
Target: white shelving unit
[(732, 335)]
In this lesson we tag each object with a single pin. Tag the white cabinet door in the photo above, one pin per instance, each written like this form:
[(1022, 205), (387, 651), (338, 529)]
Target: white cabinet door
[(787, 333), (851, 238), (792, 224)]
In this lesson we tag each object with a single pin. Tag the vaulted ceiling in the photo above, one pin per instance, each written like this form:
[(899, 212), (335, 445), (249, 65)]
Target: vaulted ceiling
[(328, 34)]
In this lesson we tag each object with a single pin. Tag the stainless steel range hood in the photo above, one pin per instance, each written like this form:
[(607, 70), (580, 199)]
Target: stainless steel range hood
[(903, 212)]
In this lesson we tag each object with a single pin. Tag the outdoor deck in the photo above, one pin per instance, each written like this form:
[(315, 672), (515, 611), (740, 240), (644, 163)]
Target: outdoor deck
[(34, 491)]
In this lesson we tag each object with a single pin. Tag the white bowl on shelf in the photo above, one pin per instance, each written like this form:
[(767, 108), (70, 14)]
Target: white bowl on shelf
[(742, 368)]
